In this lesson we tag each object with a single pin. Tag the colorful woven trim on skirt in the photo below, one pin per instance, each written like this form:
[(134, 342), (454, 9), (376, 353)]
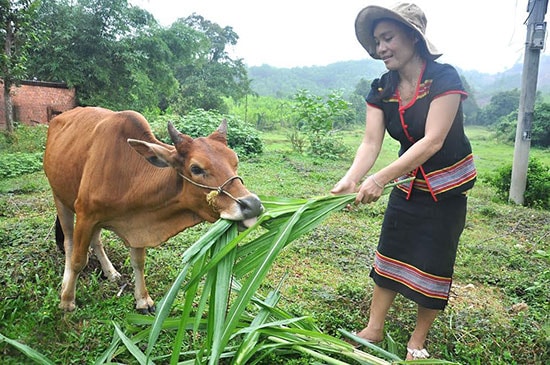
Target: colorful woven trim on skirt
[(439, 181), (426, 284)]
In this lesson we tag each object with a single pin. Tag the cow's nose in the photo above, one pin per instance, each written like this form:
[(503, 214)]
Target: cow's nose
[(251, 206)]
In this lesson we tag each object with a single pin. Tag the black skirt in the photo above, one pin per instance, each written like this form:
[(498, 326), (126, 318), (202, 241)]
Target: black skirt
[(417, 247)]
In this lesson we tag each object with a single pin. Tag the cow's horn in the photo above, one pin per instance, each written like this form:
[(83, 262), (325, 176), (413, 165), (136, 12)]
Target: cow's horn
[(223, 127), (175, 135)]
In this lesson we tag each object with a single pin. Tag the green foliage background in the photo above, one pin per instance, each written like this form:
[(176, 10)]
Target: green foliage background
[(117, 55), (241, 137)]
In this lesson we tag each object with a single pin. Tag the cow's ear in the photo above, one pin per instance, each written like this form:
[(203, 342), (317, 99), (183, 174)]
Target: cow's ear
[(157, 155)]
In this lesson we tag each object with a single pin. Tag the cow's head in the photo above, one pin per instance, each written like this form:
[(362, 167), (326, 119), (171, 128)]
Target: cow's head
[(208, 168)]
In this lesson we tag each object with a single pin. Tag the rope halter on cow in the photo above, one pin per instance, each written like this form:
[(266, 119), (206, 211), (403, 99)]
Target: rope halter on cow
[(216, 190)]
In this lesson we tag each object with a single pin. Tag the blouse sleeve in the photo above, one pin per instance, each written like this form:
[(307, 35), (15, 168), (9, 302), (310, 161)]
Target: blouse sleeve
[(373, 98), (447, 81)]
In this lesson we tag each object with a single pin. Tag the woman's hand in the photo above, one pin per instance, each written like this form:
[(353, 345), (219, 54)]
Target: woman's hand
[(344, 186), (369, 191)]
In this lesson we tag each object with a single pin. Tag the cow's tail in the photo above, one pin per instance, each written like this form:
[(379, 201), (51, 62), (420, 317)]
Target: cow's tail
[(59, 236)]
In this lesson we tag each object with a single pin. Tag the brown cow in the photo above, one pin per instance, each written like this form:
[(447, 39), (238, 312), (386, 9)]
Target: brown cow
[(94, 171)]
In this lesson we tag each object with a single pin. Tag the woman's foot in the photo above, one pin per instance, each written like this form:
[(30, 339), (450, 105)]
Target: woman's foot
[(416, 350), (372, 336)]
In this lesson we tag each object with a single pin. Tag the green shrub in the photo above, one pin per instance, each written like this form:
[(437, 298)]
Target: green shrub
[(329, 146), (537, 190), (19, 163), (316, 121), (541, 126), (24, 138), (505, 128), (241, 137)]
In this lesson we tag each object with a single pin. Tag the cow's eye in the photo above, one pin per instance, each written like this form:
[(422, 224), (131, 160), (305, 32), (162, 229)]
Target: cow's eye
[(196, 170)]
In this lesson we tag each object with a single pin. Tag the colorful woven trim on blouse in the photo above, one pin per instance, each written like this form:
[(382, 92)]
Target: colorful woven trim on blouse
[(422, 91), (445, 179), (426, 284)]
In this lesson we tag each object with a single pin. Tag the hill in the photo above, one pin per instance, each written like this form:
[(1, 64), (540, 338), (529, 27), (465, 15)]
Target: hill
[(284, 82)]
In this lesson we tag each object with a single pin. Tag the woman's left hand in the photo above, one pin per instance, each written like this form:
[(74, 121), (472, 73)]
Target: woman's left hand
[(369, 191)]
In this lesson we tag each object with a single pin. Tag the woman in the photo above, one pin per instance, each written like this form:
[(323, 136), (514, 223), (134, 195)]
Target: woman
[(418, 102)]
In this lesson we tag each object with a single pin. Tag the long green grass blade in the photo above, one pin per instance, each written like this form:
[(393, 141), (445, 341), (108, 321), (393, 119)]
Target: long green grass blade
[(163, 310), (27, 351), (186, 312), (108, 354), (201, 309), (296, 345), (207, 240), (371, 346), (132, 348), (220, 294), (249, 342)]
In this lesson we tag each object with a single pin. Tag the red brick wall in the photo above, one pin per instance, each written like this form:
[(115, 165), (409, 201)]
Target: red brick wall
[(37, 102)]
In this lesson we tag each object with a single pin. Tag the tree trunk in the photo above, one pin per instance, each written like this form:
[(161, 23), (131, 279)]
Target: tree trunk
[(8, 108), (9, 41)]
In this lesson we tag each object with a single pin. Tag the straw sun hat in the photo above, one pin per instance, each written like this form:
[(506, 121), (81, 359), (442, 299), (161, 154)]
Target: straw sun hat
[(408, 14)]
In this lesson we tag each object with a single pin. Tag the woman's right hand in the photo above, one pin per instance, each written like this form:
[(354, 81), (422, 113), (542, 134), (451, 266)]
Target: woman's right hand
[(344, 186)]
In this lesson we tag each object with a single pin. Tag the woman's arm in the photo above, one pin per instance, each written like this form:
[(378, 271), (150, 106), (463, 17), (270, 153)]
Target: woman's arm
[(366, 154), (439, 121)]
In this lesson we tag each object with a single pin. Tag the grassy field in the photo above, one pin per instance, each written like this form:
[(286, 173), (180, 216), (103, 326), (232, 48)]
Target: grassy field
[(499, 308)]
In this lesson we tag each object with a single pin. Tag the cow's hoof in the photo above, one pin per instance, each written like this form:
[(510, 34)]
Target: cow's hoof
[(114, 277), (67, 306), (149, 310), (145, 305)]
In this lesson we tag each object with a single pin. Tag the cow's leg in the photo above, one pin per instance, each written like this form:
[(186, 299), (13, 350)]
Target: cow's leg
[(75, 262), (108, 269), (144, 303), (66, 220)]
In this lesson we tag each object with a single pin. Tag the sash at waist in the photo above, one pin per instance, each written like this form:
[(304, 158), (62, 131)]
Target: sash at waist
[(442, 180)]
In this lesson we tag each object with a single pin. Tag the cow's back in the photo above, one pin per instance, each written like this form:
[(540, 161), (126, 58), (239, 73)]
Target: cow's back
[(84, 143)]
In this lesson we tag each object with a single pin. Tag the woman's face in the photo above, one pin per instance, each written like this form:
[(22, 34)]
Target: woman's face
[(395, 44)]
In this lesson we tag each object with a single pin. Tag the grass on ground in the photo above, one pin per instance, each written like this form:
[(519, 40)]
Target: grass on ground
[(498, 313)]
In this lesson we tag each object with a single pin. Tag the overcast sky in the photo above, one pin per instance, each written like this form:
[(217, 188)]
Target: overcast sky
[(484, 35)]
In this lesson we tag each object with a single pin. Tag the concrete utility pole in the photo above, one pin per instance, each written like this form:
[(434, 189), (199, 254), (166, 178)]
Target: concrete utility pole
[(536, 31)]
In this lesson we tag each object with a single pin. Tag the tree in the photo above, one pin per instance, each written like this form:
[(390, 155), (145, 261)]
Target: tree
[(17, 29), (362, 89), (106, 49), (541, 126), (502, 104), (505, 128), (470, 107), (212, 74), (117, 56)]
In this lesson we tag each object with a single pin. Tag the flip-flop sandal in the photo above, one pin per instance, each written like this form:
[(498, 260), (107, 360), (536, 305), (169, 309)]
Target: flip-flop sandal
[(418, 354)]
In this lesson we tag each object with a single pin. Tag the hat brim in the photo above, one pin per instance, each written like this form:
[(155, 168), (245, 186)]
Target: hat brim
[(364, 24)]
